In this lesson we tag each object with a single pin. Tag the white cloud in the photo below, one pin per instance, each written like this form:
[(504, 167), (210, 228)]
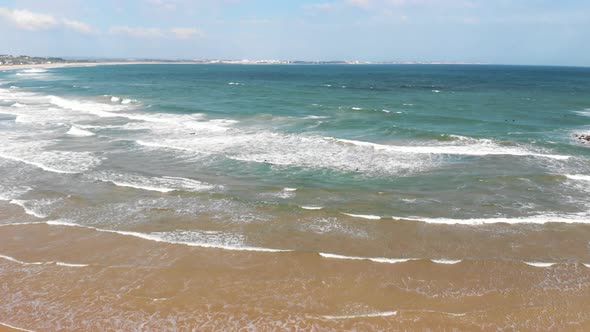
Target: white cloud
[(256, 21), (321, 6), (137, 32), (145, 32), (360, 3), (380, 4), (27, 20), (385, 4), (186, 33), (76, 25), (167, 5)]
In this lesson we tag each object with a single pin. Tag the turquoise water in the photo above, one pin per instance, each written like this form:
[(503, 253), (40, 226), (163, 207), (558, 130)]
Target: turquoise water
[(244, 145)]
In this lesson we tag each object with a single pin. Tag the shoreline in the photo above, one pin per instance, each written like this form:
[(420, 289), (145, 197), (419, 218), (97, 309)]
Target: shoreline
[(121, 63), (82, 64)]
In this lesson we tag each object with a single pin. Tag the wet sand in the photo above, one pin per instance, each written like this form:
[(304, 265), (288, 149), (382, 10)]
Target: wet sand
[(4, 328), (59, 278)]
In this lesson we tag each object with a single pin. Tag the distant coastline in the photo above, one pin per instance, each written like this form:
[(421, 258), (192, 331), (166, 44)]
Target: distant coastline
[(24, 61), (82, 63)]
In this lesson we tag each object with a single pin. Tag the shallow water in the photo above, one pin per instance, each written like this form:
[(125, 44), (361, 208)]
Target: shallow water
[(332, 197)]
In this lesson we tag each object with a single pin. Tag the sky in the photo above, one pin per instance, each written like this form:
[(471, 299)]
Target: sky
[(537, 32)]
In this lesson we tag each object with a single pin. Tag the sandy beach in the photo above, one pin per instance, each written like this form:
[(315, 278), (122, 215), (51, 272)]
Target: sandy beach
[(86, 64), (113, 281)]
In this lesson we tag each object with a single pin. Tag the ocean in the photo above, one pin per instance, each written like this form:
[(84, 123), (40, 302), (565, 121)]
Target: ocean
[(213, 197)]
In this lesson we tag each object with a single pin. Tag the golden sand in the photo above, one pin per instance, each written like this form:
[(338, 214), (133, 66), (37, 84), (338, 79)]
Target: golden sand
[(68, 278)]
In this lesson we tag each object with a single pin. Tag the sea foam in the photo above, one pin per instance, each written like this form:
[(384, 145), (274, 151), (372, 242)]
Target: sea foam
[(28, 210), (78, 132), (579, 177), (311, 207), (35, 70), (446, 261), (372, 259), (15, 328), (363, 216), (163, 184), (161, 237), (37, 154), (12, 259), (582, 218), (540, 264), (483, 148), (370, 315)]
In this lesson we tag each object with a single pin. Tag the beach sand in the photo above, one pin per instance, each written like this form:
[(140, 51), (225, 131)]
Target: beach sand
[(63, 278)]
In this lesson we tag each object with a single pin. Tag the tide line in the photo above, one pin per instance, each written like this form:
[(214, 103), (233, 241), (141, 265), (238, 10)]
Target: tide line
[(540, 264), (373, 315), (372, 259), (446, 261), (156, 238), (159, 239), (12, 259), (15, 328), (363, 216), (581, 218), (27, 210)]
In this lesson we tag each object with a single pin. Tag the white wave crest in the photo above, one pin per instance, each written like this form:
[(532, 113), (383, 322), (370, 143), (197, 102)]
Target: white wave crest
[(446, 261), (12, 259), (372, 259), (78, 132), (160, 184), (482, 148), (35, 70), (36, 154), (28, 210), (363, 216), (88, 107), (579, 177), (540, 264), (311, 207), (292, 150), (71, 264), (171, 238), (581, 218), (8, 193), (371, 315), (15, 328), (314, 117)]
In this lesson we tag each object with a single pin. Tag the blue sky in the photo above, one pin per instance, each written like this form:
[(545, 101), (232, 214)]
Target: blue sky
[(498, 31)]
